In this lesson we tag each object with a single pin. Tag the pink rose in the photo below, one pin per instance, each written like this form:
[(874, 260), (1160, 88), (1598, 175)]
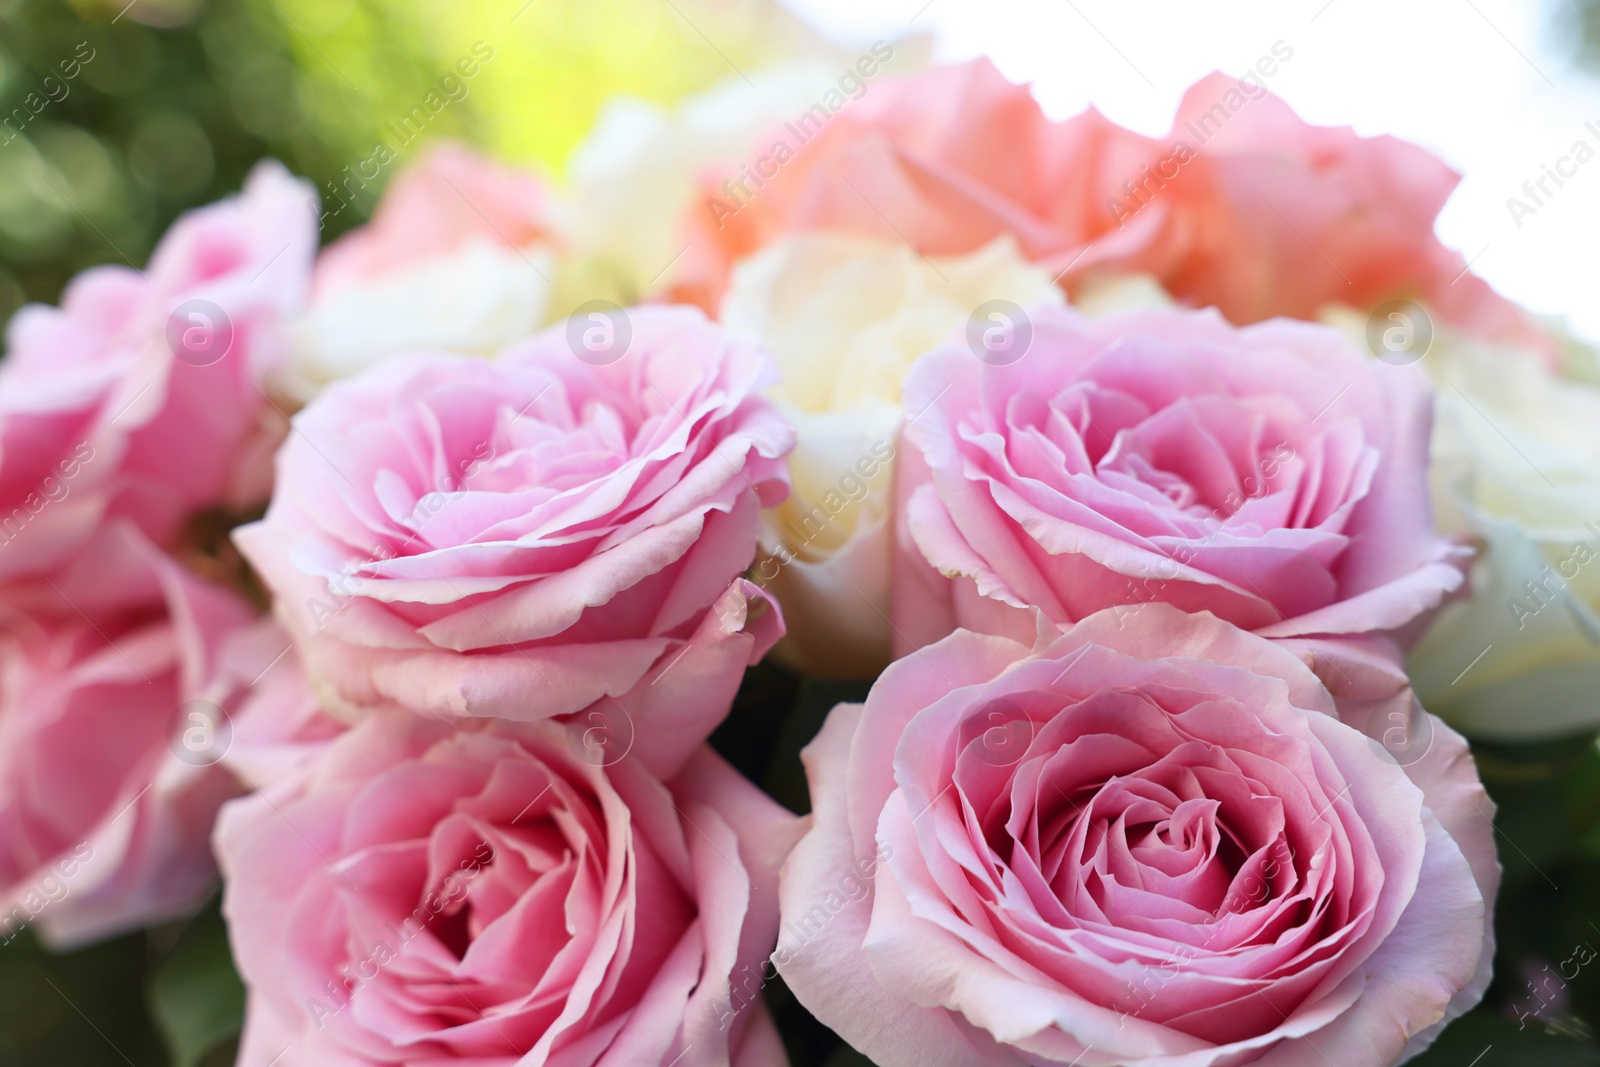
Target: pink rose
[(434, 895), (1157, 839), (141, 395), (1269, 474), (522, 536), (114, 713), (1244, 206)]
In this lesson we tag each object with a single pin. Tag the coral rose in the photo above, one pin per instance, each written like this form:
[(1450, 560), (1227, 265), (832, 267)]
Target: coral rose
[(1244, 206)]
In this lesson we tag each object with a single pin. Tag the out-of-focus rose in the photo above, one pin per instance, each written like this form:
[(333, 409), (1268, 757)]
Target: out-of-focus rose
[(458, 258), (1517, 467), (1272, 216), (845, 317), (636, 178), (433, 895), (1270, 474), (947, 160), (524, 535), (115, 719), (1244, 206), (1157, 839), (141, 395)]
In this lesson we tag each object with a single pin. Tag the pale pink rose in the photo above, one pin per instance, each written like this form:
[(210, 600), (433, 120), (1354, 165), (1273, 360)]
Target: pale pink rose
[(114, 718), (1155, 840), (1269, 474), (524, 535), (457, 257), (135, 397), (433, 894), (1263, 216)]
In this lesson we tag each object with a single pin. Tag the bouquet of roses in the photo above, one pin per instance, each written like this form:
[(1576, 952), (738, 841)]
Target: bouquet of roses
[(1164, 489)]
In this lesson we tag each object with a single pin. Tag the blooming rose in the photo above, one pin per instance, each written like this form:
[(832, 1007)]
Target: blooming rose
[(457, 257), (1269, 474), (1244, 206), (845, 316), (113, 711), (1157, 839), (1517, 468), (140, 396), (524, 535), (434, 895)]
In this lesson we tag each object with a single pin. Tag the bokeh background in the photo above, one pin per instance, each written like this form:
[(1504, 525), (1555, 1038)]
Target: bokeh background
[(170, 102)]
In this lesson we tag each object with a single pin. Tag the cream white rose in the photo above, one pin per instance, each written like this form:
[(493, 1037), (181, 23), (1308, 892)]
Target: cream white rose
[(472, 301), (1516, 469), (1517, 452), (459, 257), (845, 317)]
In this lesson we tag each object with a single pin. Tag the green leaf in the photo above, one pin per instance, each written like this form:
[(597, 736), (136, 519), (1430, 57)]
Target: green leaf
[(195, 993)]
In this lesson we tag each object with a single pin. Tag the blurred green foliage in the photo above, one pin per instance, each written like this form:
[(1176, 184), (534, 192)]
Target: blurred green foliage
[(170, 102)]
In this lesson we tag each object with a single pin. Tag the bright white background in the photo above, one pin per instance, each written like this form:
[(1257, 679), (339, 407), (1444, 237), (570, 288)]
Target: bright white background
[(1489, 85)]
